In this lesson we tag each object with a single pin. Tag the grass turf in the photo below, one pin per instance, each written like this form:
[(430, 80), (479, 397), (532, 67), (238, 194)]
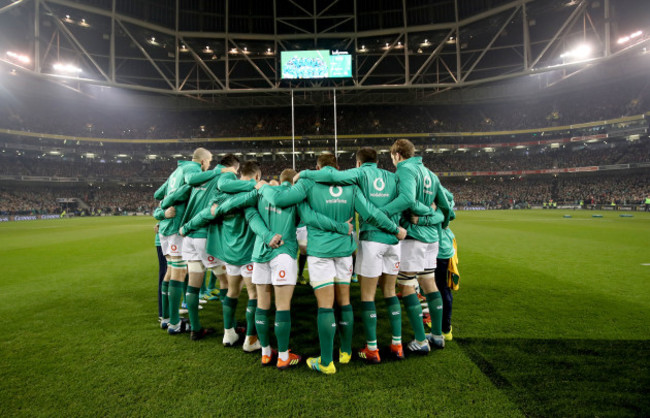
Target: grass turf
[(552, 318)]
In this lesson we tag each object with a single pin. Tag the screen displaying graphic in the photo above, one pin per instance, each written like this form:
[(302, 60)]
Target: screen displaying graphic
[(315, 64)]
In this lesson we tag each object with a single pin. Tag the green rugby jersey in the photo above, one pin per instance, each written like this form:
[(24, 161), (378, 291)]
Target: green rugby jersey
[(267, 220), (446, 243), (336, 202), (236, 240), (228, 239), (180, 177), (198, 194), (418, 183), (378, 186)]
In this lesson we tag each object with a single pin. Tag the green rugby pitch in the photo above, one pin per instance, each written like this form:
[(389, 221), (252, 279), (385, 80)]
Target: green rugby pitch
[(552, 319)]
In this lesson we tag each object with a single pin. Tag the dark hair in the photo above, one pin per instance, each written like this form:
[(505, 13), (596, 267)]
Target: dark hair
[(325, 160), (287, 175), (367, 155), (250, 168), (404, 147), (229, 160)]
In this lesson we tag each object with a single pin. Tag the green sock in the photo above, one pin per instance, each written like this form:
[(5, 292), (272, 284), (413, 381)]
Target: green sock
[(326, 330), (175, 295), (346, 328), (369, 317), (434, 301), (222, 294), (262, 326), (395, 318), (164, 291), (213, 281), (185, 289), (283, 329), (414, 312), (192, 300), (203, 286), (229, 307), (250, 317)]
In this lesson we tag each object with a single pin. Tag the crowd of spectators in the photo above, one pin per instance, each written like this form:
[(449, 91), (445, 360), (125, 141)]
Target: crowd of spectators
[(94, 200), (521, 192), (501, 192), (538, 157), (597, 104)]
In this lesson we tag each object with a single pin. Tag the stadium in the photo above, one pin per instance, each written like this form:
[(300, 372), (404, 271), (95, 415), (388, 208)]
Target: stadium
[(529, 118)]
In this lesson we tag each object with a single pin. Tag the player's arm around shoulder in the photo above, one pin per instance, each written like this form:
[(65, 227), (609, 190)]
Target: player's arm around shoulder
[(236, 201), (340, 178), (286, 196), (229, 183)]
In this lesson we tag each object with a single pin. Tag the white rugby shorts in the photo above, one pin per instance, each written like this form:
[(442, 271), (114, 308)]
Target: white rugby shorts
[(171, 245), (245, 271), (417, 256), (375, 258), (281, 270), (328, 271), (194, 250)]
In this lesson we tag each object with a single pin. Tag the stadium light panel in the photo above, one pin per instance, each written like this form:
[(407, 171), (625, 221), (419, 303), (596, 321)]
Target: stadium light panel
[(579, 52), (18, 57), (66, 68), (628, 38)]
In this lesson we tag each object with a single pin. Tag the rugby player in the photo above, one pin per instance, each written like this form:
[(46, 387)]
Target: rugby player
[(330, 255), (171, 242), (232, 241), (274, 259), (420, 248), (378, 256), (446, 251), (200, 189)]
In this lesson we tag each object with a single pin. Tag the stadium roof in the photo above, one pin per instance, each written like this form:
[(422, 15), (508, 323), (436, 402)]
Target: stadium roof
[(225, 50)]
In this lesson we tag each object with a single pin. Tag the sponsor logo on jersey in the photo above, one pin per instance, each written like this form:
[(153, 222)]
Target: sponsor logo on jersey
[(337, 193), (379, 185)]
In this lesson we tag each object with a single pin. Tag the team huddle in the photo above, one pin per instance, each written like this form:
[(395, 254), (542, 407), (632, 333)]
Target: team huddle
[(247, 231)]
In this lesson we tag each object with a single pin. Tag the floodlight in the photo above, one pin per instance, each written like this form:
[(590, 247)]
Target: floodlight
[(579, 52), (18, 57), (66, 68)]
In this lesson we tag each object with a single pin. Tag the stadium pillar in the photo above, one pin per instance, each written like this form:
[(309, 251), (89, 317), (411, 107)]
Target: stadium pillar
[(336, 140), (293, 133)]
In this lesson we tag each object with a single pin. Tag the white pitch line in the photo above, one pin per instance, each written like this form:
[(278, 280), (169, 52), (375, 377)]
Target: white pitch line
[(645, 264)]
